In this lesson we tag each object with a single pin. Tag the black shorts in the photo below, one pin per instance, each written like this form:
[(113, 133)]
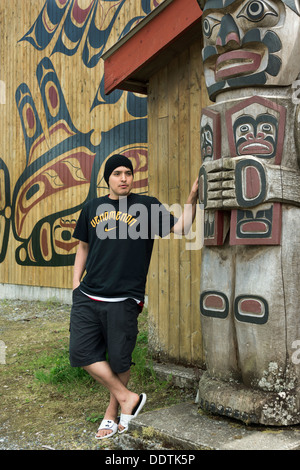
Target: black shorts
[(101, 331)]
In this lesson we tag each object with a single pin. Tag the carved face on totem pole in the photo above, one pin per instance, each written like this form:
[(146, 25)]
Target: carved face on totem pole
[(252, 43)]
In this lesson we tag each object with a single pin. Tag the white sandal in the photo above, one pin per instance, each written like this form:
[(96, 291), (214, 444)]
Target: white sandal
[(107, 425), (125, 419)]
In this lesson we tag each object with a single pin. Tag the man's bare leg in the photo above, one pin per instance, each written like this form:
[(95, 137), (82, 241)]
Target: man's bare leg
[(113, 406), (117, 385)]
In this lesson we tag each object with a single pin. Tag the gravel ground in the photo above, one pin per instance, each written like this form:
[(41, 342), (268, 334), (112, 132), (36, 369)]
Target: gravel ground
[(33, 416), (38, 416)]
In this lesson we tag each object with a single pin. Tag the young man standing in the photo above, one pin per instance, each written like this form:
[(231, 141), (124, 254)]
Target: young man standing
[(116, 234)]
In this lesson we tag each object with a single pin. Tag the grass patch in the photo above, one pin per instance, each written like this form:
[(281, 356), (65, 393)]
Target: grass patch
[(55, 368)]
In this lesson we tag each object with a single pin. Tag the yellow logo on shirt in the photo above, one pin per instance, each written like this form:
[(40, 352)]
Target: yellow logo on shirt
[(113, 215), (106, 229)]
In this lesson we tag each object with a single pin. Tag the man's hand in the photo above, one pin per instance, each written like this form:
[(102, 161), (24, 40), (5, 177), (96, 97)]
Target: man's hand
[(184, 223), (80, 263)]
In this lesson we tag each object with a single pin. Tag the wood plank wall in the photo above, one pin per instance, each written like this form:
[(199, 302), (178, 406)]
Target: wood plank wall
[(176, 95), (42, 191), (29, 253)]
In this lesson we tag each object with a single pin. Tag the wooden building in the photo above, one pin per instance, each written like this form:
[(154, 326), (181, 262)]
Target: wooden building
[(57, 129), (62, 117), (161, 57)]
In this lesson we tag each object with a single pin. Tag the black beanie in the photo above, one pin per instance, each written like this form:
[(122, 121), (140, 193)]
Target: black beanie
[(114, 162)]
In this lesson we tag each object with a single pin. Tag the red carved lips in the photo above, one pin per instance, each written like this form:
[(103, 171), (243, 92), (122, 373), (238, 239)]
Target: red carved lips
[(239, 62), (256, 147)]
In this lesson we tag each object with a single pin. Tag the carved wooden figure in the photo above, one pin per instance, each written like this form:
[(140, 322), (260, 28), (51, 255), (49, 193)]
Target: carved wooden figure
[(249, 182)]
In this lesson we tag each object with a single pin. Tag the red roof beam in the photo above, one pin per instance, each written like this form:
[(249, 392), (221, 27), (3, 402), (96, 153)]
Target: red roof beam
[(158, 30)]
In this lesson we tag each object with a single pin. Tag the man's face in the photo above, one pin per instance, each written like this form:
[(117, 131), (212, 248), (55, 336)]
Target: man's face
[(249, 43), (120, 182)]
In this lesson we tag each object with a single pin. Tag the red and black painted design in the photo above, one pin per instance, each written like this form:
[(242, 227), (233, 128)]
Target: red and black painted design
[(62, 172), (247, 308), (63, 166), (251, 309), (210, 141), (5, 209), (256, 127), (240, 50), (214, 304)]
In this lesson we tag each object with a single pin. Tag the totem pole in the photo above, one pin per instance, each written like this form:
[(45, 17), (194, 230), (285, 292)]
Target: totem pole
[(249, 183)]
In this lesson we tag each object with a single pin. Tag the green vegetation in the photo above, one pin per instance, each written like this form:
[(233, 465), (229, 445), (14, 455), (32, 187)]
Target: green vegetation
[(55, 368), (43, 398)]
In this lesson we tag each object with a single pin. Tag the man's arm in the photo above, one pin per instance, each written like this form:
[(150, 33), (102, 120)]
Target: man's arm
[(184, 223), (80, 262)]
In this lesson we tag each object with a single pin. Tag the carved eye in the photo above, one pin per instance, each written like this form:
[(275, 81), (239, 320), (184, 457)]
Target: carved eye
[(266, 127), (209, 24), (206, 28), (245, 128), (256, 10)]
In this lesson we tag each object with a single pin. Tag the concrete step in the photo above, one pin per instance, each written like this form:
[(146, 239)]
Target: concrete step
[(185, 427)]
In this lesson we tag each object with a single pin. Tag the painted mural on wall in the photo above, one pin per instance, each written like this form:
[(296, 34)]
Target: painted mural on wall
[(249, 184), (62, 163)]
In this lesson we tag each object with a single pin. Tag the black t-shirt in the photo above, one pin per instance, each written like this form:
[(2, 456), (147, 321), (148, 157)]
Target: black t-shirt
[(120, 234)]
